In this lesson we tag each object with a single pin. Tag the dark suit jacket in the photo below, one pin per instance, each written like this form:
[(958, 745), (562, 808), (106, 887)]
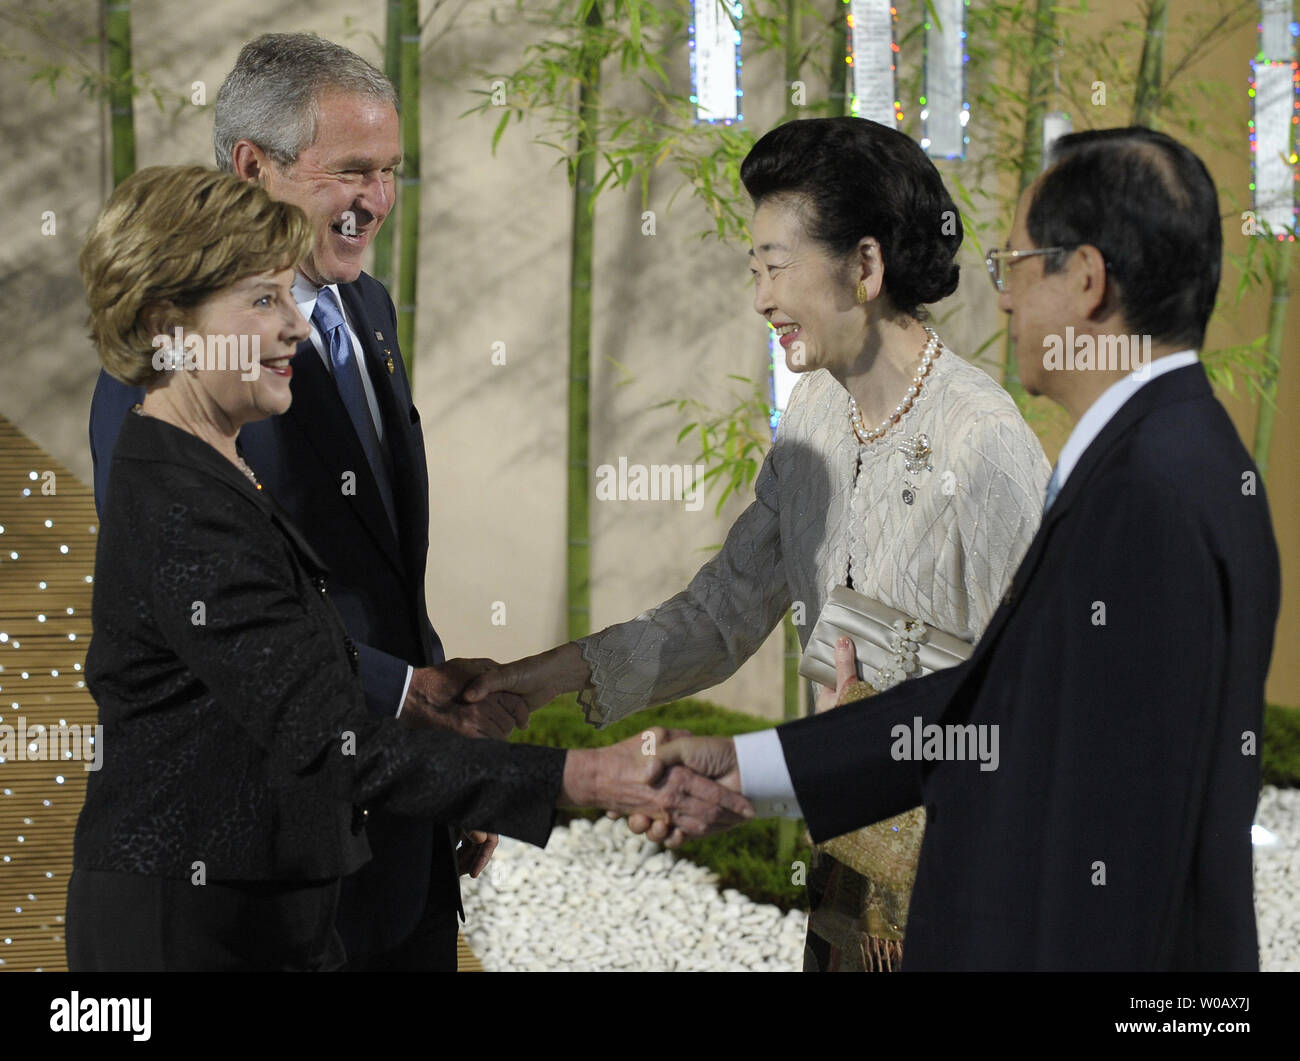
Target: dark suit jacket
[(235, 730), (1125, 673), (377, 580)]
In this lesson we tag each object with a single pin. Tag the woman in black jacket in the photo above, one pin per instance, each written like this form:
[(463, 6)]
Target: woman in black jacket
[(238, 754)]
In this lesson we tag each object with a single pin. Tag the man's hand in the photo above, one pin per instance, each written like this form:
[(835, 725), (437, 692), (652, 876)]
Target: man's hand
[(633, 777), (537, 680), (712, 757), (474, 851), (435, 699)]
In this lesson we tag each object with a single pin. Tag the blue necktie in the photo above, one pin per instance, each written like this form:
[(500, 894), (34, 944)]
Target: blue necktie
[(328, 317), (1053, 488)]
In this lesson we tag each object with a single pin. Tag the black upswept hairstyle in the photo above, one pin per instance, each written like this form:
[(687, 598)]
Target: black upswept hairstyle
[(857, 178), (1148, 204)]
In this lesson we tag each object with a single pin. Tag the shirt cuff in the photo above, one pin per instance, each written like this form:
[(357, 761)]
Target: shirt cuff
[(406, 685), (764, 776)]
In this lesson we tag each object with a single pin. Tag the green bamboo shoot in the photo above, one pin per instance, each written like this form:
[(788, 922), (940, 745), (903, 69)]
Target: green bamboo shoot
[(409, 218), (121, 88), (383, 264), (1146, 100), (1278, 277), (1031, 148), (578, 546)]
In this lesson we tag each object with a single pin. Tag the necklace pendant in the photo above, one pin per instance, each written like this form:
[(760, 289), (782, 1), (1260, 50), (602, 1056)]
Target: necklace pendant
[(908, 496)]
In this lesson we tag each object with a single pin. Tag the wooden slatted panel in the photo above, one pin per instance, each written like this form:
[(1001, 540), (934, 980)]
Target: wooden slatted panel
[(466, 962), (47, 558)]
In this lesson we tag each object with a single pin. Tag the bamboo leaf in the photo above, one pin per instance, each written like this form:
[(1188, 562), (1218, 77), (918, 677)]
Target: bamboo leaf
[(501, 128)]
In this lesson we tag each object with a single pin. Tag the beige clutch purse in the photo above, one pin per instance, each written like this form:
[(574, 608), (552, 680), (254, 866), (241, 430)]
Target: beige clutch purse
[(891, 646)]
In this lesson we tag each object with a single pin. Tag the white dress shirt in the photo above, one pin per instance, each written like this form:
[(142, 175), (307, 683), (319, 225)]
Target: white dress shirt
[(304, 294), (764, 775)]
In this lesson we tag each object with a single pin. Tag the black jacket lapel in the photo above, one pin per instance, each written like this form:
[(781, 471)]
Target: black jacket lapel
[(388, 376)]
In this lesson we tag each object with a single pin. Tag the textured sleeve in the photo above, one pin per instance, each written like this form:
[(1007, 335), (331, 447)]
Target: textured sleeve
[(224, 595), (1003, 474), (702, 635)]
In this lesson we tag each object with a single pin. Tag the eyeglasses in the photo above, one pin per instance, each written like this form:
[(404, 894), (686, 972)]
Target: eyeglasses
[(995, 258)]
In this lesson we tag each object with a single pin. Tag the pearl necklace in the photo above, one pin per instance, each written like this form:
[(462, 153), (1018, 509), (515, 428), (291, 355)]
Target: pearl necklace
[(860, 430)]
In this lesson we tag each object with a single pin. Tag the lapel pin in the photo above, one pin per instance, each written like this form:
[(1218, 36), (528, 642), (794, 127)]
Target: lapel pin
[(379, 336), (388, 360)]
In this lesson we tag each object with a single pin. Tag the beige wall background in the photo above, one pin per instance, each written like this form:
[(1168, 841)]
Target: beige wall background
[(673, 314)]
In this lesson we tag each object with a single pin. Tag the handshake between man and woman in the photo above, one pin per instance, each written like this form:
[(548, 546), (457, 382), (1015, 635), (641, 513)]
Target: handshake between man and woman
[(669, 783)]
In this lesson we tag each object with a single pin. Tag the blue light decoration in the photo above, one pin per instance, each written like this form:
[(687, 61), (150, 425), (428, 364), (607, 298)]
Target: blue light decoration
[(944, 109), (872, 52), (714, 41), (1275, 94)]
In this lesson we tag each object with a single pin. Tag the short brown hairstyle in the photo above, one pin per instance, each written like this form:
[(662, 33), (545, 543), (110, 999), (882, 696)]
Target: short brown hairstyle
[(177, 234)]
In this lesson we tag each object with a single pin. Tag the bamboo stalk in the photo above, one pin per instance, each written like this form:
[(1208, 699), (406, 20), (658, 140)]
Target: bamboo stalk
[(1031, 148), (1276, 335), (578, 547), (787, 830), (117, 32), (839, 94), (383, 264), (409, 219), (793, 43), (1146, 100)]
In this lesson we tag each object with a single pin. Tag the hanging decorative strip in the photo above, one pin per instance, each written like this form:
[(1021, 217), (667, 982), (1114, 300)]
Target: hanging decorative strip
[(944, 110), (782, 379), (715, 60), (1055, 125), (872, 55), (1274, 84)]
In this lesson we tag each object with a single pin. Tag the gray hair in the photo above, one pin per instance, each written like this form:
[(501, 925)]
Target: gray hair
[(271, 95)]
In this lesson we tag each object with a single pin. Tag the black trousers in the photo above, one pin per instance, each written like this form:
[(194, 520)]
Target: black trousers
[(430, 946), (121, 922)]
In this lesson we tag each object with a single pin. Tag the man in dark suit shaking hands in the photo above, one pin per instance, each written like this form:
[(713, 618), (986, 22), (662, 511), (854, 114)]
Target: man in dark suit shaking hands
[(316, 126), (1122, 679)]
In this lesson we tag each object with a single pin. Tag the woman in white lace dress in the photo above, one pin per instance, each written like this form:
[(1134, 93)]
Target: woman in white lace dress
[(899, 470)]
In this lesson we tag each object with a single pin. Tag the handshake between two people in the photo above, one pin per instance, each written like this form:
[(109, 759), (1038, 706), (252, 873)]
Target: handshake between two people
[(668, 783), (483, 698)]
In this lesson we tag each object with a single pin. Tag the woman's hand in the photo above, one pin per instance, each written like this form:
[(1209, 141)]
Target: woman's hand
[(846, 672), (537, 680)]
